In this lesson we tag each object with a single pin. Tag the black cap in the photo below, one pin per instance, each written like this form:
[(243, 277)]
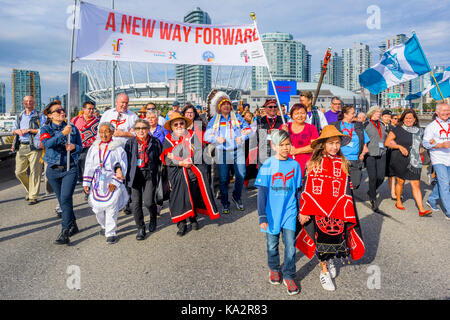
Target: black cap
[(386, 111)]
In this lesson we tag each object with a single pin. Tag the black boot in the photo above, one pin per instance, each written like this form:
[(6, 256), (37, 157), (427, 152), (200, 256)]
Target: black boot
[(181, 229), (73, 229), (141, 233), (152, 225), (194, 223), (63, 237)]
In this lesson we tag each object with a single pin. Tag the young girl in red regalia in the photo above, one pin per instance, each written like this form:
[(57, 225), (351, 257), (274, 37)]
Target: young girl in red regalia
[(330, 224)]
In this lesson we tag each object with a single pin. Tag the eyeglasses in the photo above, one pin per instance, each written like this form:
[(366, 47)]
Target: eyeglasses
[(151, 109), (178, 124), (59, 111), (140, 128)]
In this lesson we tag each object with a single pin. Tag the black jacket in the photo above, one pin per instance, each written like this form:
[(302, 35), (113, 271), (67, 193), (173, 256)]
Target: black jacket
[(154, 149)]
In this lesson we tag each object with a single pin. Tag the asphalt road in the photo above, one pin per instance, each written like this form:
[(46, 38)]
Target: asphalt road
[(406, 255)]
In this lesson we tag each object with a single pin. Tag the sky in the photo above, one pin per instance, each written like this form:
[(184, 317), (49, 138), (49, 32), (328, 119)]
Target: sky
[(35, 35)]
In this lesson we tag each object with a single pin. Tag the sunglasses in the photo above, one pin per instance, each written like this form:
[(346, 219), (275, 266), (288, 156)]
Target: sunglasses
[(59, 111), (140, 128), (271, 107)]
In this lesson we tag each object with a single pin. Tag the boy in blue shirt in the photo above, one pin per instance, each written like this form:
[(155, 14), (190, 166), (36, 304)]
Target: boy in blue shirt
[(279, 181)]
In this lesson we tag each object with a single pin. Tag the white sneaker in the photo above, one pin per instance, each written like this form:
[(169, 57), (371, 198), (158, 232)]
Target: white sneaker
[(331, 268), (326, 282)]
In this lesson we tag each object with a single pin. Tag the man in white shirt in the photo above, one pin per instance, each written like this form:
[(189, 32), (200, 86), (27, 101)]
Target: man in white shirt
[(121, 118), (437, 140), (315, 116)]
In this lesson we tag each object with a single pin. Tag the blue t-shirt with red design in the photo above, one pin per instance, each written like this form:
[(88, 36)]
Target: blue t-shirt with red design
[(282, 178)]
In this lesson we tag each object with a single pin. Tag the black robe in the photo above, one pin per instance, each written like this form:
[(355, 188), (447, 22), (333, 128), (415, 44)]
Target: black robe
[(185, 202)]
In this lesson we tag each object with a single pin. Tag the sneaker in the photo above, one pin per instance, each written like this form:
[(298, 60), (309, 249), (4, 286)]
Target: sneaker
[(331, 268), (111, 240), (238, 204), (434, 208), (226, 210), (291, 287), (326, 282), (32, 201), (274, 277), (58, 211)]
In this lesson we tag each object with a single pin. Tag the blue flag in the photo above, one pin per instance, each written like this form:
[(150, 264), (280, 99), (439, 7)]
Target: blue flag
[(401, 63)]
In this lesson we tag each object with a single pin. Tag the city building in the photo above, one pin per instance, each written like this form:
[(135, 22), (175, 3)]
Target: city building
[(196, 79), (356, 60), (288, 60), (79, 88), (25, 83), (2, 98)]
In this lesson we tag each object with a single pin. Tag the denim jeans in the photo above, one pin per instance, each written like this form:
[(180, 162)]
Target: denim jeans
[(273, 256), (225, 160), (63, 183), (441, 189)]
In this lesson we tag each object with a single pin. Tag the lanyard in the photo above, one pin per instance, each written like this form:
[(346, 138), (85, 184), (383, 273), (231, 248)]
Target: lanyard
[(271, 126), (447, 132), (104, 152), (378, 127), (344, 129)]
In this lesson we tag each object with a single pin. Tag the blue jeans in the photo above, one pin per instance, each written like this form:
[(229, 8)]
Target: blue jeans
[(273, 256), (441, 189), (225, 160), (63, 183)]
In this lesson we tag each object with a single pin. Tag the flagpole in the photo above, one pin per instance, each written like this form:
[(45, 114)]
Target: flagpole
[(426, 60), (437, 86), (253, 16), (70, 80)]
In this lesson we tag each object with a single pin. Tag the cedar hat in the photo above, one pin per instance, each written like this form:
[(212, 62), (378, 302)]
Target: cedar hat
[(330, 131), (176, 116)]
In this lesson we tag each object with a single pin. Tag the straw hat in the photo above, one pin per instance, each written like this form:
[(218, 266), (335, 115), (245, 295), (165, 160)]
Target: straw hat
[(176, 116), (330, 131), (143, 110)]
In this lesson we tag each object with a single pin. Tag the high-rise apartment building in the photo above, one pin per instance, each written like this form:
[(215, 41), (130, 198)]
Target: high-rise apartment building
[(196, 79), (25, 83)]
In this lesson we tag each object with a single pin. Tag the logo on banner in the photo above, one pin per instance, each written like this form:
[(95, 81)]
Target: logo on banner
[(116, 46), (172, 55), (208, 56), (245, 55)]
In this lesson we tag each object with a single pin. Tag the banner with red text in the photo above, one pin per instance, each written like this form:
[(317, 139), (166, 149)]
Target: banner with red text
[(106, 34)]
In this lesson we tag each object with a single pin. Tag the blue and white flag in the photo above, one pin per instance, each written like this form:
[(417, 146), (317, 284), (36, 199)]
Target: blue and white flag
[(401, 63), (443, 79)]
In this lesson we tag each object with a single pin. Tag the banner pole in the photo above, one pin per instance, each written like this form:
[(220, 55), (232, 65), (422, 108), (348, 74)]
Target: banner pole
[(70, 80), (253, 16), (113, 75)]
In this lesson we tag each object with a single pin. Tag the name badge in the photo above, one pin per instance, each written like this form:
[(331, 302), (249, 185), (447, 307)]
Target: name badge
[(139, 162), (102, 177), (381, 145), (350, 144), (269, 137)]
